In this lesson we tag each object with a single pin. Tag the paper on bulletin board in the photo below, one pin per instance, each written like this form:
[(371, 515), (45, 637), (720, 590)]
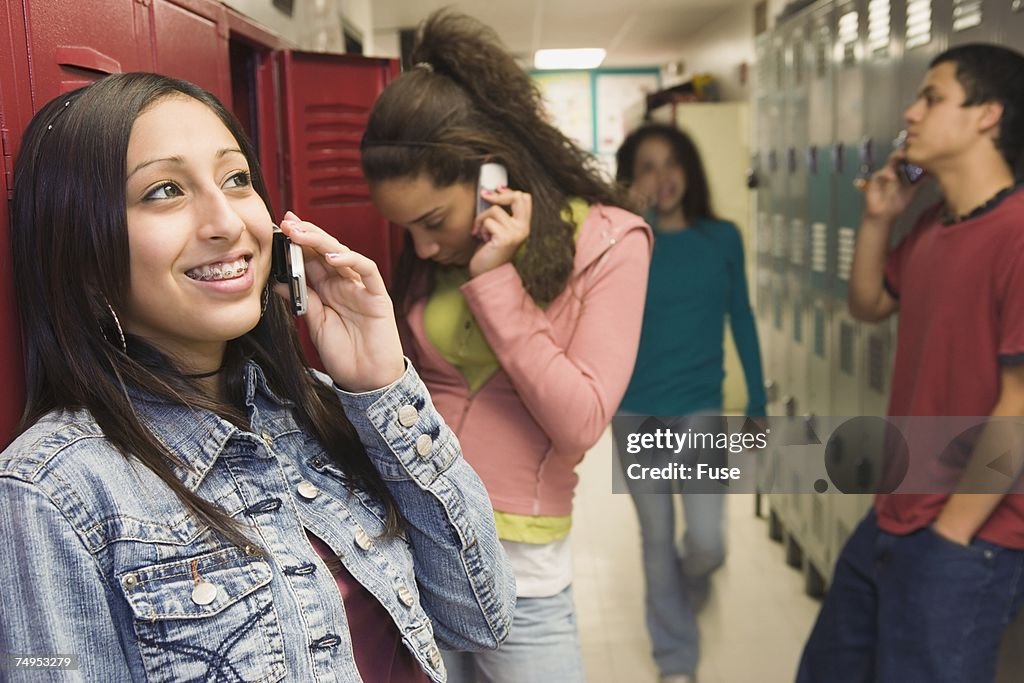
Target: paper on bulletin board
[(616, 93), (569, 101)]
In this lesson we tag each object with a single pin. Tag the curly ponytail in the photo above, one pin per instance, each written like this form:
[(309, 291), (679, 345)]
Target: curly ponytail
[(468, 102)]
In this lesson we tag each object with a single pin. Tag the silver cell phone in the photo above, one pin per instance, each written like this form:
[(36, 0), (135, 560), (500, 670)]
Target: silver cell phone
[(492, 176), (287, 267), (907, 172)]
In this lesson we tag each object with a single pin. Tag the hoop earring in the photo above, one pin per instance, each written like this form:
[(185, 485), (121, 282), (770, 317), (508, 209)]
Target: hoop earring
[(117, 323)]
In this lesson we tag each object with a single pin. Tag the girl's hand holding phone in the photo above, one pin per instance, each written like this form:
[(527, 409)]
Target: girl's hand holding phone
[(500, 232), (350, 317)]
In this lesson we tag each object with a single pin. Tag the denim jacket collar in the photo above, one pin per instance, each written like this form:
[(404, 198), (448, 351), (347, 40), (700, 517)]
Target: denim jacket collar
[(200, 436)]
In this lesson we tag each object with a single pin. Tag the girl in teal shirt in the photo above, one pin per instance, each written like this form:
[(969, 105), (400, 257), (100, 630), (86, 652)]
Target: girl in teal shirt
[(697, 281)]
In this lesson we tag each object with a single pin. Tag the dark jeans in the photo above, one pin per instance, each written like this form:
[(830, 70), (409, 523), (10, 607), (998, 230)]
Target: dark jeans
[(913, 608)]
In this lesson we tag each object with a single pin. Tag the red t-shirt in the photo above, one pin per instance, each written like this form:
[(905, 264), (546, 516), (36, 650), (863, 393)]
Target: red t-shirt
[(961, 319), (376, 643)]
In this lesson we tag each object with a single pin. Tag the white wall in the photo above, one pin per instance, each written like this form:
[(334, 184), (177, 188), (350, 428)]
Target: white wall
[(386, 43)]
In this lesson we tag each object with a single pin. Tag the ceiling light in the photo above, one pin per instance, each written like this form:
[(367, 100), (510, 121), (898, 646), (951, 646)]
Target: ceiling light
[(583, 58)]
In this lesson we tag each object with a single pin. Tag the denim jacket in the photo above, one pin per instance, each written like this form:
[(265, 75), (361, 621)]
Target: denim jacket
[(102, 560)]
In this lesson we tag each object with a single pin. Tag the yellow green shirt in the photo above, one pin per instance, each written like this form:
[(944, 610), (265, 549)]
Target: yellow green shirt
[(452, 329)]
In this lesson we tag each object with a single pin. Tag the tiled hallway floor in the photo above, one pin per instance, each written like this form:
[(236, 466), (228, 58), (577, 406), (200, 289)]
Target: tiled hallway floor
[(753, 627)]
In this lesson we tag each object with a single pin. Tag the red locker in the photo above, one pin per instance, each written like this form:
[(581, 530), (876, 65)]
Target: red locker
[(190, 41), (72, 44), (253, 71), (327, 100), (15, 110)]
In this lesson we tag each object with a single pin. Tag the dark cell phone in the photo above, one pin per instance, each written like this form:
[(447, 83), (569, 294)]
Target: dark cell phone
[(288, 268), (907, 172)]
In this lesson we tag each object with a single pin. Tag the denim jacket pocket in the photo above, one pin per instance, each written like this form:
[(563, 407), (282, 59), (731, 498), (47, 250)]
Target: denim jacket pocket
[(208, 617)]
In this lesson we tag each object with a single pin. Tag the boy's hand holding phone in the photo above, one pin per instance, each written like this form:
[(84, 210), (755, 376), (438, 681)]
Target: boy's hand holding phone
[(889, 190), (501, 233)]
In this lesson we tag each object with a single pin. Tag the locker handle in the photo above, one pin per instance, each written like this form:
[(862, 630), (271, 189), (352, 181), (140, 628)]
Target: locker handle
[(87, 58), (791, 160), (837, 158), (812, 159), (867, 157)]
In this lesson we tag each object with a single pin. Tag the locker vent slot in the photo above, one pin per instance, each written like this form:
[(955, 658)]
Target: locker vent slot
[(798, 323), (763, 294), (919, 23), (798, 59), (966, 14), (849, 30), (779, 236), (764, 239), (796, 242), (822, 40), (332, 132), (876, 364), (879, 26), (819, 333), (777, 312), (846, 347), (819, 248), (846, 244), (779, 67)]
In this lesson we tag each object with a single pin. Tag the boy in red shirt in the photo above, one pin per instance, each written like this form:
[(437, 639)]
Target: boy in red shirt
[(927, 583)]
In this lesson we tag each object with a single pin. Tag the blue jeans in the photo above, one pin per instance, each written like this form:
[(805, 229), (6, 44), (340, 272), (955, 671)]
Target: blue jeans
[(913, 608), (543, 645), (671, 618)]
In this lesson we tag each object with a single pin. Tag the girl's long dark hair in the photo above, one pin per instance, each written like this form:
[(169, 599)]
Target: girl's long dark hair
[(466, 102), (71, 262), (697, 196)]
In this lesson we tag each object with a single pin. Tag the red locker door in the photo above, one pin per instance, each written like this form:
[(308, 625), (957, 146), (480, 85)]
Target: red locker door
[(15, 111), (73, 43), (253, 67), (190, 41), (327, 100)]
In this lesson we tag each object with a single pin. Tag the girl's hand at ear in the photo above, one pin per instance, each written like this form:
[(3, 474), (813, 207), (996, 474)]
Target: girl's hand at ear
[(501, 233), (350, 317)]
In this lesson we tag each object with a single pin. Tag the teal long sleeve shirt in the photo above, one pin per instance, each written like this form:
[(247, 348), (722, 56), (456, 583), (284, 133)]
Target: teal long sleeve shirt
[(697, 280)]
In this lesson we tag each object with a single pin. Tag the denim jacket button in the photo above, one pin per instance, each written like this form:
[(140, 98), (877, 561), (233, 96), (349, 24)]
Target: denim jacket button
[(308, 490), (204, 593), (363, 540), (408, 415), (265, 435), (130, 581), (405, 596), (435, 657), (423, 444)]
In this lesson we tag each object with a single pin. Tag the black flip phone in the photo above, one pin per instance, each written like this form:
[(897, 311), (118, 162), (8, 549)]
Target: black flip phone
[(288, 268), (907, 172)]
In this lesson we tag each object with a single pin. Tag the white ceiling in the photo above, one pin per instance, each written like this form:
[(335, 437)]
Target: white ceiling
[(634, 32)]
